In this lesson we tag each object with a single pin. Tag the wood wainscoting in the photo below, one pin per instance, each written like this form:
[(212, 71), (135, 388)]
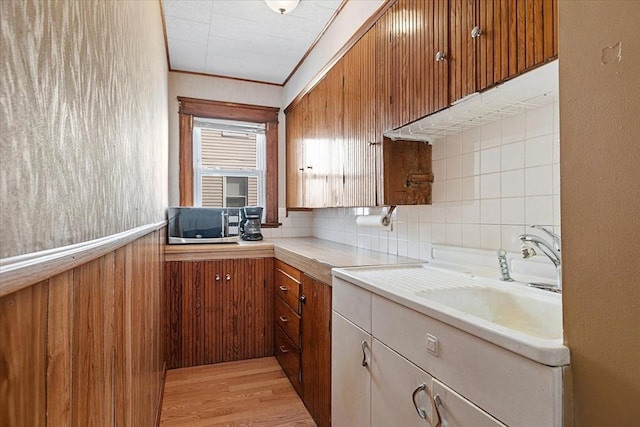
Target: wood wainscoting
[(85, 346)]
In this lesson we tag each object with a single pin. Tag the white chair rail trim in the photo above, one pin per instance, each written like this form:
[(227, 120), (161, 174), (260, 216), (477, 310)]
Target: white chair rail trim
[(21, 271)]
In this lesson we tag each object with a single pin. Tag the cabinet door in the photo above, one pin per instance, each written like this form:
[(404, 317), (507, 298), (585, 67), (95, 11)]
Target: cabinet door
[(454, 410), (399, 390), (194, 312), (294, 153), (516, 35), (247, 308), (218, 311), (350, 381), (359, 123), (407, 173), (462, 51), (333, 136), (316, 349)]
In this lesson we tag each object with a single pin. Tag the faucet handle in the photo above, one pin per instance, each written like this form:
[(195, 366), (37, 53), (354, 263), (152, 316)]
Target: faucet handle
[(554, 236)]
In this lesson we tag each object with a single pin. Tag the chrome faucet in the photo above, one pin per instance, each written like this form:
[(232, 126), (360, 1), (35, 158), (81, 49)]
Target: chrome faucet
[(551, 250)]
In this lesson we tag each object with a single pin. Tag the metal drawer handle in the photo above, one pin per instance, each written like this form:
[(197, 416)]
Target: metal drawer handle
[(442, 422), (440, 56), (476, 32), (365, 345), (283, 349), (283, 319), (283, 288), (421, 412)]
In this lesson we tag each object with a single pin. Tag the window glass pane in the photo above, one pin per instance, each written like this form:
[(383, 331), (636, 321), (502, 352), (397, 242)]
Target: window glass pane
[(228, 150), (212, 191)]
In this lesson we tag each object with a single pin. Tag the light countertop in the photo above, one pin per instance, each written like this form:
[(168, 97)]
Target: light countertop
[(316, 257)]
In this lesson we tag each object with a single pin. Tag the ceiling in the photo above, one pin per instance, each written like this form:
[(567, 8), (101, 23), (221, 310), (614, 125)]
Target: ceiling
[(242, 39)]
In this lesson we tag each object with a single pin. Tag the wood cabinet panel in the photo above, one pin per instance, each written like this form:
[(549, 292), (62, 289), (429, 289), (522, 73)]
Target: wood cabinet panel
[(294, 153), (462, 57), (288, 355), (407, 173), (287, 285), (359, 150), (516, 36), (390, 77), (316, 349), (303, 343), (288, 320), (218, 311)]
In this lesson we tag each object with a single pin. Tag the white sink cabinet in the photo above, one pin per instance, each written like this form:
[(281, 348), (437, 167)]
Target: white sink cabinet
[(403, 377)]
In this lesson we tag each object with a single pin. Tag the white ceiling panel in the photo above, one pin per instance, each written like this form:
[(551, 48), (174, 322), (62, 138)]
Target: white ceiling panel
[(242, 38)]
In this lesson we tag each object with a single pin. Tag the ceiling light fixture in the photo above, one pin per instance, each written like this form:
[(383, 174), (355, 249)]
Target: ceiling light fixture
[(282, 6)]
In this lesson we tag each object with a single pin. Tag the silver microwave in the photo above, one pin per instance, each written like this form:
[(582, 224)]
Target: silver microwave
[(189, 225)]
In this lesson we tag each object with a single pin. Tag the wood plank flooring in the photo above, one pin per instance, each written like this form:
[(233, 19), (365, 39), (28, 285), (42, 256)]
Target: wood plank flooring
[(252, 392)]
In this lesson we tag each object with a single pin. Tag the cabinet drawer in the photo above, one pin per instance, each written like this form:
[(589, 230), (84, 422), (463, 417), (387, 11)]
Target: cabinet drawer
[(353, 302), (289, 358), (291, 271), (288, 288), (288, 320)]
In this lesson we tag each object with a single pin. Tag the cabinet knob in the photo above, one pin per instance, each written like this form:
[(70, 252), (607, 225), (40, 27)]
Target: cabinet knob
[(283, 319), (440, 56), (227, 277), (217, 277), (476, 32), (283, 349), (302, 299), (283, 288)]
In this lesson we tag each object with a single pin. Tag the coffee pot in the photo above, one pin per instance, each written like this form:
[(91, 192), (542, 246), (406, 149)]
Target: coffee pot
[(250, 223)]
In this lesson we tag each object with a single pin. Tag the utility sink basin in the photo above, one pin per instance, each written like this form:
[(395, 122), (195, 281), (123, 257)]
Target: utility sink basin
[(524, 320), (533, 316)]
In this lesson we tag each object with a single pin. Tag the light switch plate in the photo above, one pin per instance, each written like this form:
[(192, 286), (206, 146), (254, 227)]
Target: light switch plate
[(432, 344)]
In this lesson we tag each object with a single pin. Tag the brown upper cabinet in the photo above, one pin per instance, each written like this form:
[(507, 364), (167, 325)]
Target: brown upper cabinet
[(418, 58), (314, 145), (412, 82), (491, 41)]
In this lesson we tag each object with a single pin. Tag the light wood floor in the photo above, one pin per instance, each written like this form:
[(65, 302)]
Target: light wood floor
[(252, 392)]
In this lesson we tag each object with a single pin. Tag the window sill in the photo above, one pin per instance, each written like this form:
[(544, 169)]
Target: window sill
[(270, 225)]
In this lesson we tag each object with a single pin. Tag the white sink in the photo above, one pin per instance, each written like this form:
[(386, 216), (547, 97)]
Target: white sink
[(524, 320), (539, 317)]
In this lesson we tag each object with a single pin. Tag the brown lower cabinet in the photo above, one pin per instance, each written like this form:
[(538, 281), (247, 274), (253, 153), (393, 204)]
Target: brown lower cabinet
[(302, 316), (218, 311)]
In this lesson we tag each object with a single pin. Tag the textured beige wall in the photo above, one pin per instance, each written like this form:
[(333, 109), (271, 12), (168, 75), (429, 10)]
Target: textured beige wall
[(219, 89), (84, 132), (600, 178)]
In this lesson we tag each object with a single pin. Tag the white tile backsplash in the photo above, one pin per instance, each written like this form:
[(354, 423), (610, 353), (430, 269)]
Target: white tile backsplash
[(491, 182)]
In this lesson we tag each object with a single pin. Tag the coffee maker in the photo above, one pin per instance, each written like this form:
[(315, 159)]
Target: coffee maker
[(250, 223)]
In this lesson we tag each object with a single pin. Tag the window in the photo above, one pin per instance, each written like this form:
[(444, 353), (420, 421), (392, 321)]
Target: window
[(191, 111), (229, 163)]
